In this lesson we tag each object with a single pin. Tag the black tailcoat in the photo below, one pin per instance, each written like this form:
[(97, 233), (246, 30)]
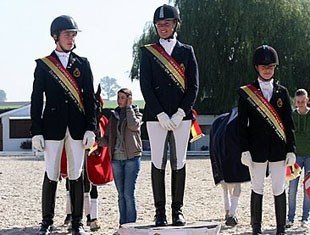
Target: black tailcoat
[(60, 112), (160, 93), (258, 137)]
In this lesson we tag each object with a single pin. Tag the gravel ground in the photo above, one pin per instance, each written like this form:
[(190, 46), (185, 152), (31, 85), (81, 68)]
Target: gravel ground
[(20, 200)]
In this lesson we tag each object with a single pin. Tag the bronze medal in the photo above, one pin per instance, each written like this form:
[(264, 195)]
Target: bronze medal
[(279, 103), (76, 73)]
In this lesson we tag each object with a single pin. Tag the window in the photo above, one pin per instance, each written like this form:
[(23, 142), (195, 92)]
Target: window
[(20, 128)]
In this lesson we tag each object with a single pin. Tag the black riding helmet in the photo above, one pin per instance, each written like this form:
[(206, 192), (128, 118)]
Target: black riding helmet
[(61, 23), (166, 12), (265, 55)]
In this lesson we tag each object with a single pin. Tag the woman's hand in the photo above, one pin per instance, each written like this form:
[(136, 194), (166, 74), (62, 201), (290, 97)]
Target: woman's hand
[(129, 100)]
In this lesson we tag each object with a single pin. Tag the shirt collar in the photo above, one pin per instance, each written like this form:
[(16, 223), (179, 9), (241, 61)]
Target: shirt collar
[(62, 54), (268, 83), (168, 44)]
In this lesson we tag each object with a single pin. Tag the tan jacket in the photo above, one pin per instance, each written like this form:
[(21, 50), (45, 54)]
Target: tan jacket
[(130, 129)]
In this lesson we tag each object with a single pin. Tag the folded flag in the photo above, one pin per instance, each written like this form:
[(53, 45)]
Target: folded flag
[(195, 128), (307, 184), (292, 172), (93, 148)]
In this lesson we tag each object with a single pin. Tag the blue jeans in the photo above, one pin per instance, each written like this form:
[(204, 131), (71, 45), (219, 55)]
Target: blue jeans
[(125, 174), (303, 162)]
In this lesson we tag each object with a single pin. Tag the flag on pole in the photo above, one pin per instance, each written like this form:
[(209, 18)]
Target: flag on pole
[(195, 128)]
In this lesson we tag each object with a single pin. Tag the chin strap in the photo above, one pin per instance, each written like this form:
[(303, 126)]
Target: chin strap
[(66, 51), (63, 49)]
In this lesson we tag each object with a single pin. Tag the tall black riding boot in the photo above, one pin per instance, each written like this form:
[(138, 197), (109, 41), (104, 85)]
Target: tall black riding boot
[(177, 192), (48, 204), (256, 213), (280, 208), (158, 186), (77, 198)]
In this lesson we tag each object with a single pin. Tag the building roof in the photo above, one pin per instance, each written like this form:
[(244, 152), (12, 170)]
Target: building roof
[(13, 105), (16, 110)]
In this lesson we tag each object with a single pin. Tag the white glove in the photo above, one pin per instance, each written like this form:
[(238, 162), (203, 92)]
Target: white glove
[(290, 159), (165, 121), (89, 139), (178, 117), (38, 142), (246, 158)]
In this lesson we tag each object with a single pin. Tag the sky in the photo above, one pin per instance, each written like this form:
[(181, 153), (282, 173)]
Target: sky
[(109, 30)]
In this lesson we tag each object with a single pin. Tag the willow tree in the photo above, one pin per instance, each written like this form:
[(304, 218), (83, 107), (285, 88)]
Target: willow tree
[(225, 33)]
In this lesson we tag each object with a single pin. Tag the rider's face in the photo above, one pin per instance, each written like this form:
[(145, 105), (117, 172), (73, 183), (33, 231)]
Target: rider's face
[(165, 28), (66, 40), (266, 72)]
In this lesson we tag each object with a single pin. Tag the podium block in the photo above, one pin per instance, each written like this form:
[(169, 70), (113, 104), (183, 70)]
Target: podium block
[(197, 228)]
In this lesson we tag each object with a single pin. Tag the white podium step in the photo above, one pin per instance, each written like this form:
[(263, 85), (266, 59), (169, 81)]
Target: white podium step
[(197, 228)]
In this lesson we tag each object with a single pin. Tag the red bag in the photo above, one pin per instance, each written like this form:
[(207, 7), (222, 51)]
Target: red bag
[(292, 172), (98, 167), (98, 162), (63, 164)]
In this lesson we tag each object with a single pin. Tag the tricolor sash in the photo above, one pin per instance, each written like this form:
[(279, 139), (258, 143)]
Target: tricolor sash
[(177, 75), (171, 67), (64, 79), (255, 98)]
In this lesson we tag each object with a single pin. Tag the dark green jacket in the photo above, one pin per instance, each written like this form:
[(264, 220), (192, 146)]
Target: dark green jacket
[(302, 133)]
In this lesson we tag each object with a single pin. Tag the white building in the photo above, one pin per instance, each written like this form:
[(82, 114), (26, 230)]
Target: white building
[(15, 129)]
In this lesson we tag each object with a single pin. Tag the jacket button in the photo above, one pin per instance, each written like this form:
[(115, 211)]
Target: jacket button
[(66, 101)]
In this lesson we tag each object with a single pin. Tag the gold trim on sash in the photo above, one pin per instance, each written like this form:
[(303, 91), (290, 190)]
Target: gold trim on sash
[(65, 80), (265, 109), (169, 63)]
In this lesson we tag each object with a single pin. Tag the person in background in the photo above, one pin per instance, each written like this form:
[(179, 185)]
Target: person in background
[(123, 137), (301, 116), (169, 83), (67, 121), (267, 138)]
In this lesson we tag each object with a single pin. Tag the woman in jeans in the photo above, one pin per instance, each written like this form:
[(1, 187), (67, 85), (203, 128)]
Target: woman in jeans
[(125, 147)]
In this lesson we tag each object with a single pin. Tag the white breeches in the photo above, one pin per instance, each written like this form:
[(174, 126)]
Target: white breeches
[(75, 157), (177, 141), (232, 188), (277, 171), (231, 194)]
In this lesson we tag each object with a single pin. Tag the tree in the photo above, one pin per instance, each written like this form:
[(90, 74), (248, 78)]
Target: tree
[(2, 96), (109, 87), (224, 35)]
